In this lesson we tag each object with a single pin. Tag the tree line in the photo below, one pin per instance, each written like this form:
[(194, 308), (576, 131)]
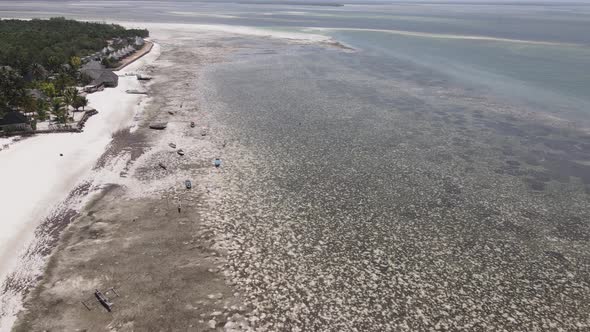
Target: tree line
[(51, 43), (45, 56)]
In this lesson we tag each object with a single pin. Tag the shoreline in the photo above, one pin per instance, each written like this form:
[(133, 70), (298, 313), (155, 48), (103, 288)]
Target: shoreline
[(151, 248), (23, 251)]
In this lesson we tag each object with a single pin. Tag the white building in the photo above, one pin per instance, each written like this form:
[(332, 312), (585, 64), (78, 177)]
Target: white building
[(139, 41)]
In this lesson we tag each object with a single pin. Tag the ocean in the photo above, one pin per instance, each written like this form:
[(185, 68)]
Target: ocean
[(532, 52), (396, 166)]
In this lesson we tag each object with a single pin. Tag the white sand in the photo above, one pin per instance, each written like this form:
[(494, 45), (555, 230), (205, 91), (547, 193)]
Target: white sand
[(35, 178), (307, 37)]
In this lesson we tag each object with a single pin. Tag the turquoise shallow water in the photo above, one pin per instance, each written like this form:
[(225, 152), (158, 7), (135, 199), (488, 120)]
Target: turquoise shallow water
[(547, 77)]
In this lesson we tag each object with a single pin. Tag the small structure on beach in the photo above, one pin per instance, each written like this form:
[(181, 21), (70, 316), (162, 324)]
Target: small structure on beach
[(101, 76), (107, 50), (139, 41), (15, 121)]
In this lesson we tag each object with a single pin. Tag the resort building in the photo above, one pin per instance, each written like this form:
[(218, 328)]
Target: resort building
[(101, 77), (14, 121), (139, 41)]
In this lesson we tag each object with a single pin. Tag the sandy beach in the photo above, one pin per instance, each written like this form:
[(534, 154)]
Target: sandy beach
[(131, 235), (53, 186)]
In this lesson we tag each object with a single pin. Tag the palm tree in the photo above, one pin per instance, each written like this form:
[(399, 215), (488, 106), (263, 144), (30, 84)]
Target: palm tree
[(42, 109), (62, 81), (70, 96), (53, 63), (57, 108)]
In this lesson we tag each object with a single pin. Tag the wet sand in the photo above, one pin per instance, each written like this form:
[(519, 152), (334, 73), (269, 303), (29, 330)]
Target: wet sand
[(33, 219), (162, 261)]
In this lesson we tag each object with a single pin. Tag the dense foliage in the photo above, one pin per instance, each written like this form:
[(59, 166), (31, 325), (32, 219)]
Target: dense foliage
[(40, 62), (53, 42), (12, 89)]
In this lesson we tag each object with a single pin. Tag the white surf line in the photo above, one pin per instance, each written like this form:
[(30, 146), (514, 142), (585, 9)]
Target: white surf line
[(446, 36), (197, 14)]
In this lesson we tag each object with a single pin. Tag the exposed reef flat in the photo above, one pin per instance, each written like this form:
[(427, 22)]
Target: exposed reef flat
[(357, 202)]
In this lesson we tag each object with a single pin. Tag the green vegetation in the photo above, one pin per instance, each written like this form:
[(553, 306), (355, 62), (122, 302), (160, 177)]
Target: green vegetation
[(40, 63), (12, 88), (52, 43)]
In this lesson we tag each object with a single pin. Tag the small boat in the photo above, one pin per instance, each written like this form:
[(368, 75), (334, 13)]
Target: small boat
[(188, 184), (192, 124), (143, 78), (136, 92), (162, 165), (158, 125), (180, 152), (103, 298), (217, 162), (172, 145)]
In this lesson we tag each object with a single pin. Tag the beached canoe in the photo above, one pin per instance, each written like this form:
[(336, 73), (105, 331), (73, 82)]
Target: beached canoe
[(158, 125), (136, 92)]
